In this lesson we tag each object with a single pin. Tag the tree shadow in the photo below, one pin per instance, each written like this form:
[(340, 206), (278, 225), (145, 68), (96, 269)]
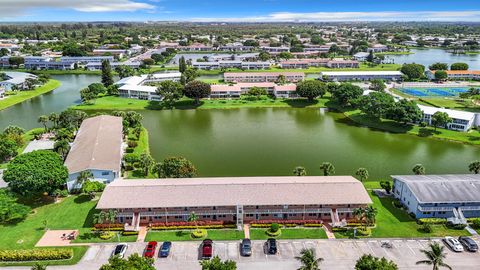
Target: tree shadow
[(83, 198), (427, 132), (299, 103), (400, 214)]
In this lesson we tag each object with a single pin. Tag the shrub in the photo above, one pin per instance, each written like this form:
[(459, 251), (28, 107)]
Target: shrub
[(436, 221), (131, 158), (112, 227), (129, 150), (274, 227), (339, 229), (35, 254), (271, 233), (130, 233), (132, 144), (105, 235), (476, 223), (200, 233), (457, 226), (312, 225), (364, 231), (426, 228)]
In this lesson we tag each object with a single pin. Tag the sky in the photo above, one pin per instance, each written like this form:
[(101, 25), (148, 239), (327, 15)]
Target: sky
[(239, 10)]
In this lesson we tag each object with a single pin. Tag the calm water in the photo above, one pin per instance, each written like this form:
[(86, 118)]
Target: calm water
[(243, 142), (428, 56), (25, 114)]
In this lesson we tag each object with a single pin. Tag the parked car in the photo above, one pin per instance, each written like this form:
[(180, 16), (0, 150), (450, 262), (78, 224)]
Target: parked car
[(453, 243), (120, 250), (246, 247), (271, 246), (164, 249), (207, 249), (468, 243), (150, 249)]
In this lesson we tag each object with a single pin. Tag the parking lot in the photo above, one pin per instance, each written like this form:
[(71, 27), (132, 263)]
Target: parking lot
[(337, 254)]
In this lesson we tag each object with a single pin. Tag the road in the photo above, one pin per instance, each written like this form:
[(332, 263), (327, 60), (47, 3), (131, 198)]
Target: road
[(337, 254)]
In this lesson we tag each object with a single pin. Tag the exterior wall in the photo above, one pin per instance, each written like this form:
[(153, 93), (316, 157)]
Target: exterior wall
[(456, 124), (261, 78), (363, 77), (104, 176)]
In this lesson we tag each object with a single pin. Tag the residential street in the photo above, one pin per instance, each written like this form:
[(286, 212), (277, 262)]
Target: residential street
[(337, 254)]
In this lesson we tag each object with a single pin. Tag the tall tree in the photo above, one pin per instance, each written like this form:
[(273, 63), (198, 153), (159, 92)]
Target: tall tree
[(327, 168), (311, 89), (10, 209), (369, 262), (170, 91), (362, 173), (54, 118), (182, 64), (474, 167), (107, 77), (146, 163), (413, 71), (197, 90), (405, 111), (124, 71), (62, 147), (376, 104), (435, 256), (440, 119), (83, 177), (217, 264), (299, 171), (418, 169), (459, 66), (346, 94), (377, 85), (308, 259), (438, 66), (43, 119), (176, 167)]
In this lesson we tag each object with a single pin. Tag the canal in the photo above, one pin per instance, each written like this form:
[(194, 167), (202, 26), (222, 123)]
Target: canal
[(267, 141)]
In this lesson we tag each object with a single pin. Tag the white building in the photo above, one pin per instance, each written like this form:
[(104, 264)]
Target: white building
[(361, 56), (85, 59), (15, 80), (361, 75), (238, 89), (135, 86), (113, 65), (461, 120)]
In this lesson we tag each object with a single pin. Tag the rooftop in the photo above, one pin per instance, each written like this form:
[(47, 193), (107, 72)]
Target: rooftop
[(361, 73), (98, 145), (232, 191), (443, 188), (463, 115), (226, 74)]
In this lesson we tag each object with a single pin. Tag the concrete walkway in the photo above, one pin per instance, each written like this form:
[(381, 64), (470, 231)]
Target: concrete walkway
[(142, 234), (328, 231), (246, 231), (54, 238)]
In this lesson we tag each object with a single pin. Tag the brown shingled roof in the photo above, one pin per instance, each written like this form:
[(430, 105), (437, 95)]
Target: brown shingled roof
[(231, 191), (98, 145)]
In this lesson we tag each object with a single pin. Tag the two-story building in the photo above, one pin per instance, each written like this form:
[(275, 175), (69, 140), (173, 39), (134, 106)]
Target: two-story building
[(461, 120), (251, 77), (455, 196), (235, 199), (98, 148)]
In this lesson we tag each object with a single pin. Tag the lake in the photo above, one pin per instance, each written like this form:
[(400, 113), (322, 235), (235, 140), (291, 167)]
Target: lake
[(272, 141), (427, 57)]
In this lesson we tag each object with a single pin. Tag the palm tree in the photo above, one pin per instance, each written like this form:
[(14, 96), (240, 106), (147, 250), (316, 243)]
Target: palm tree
[(38, 266), (146, 163), (193, 218), (474, 167), (418, 169), (43, 119), (54, 118), (83, 177), (359, 214), (370, 214), (435, 256), (328, 168), (109, 217), (62, 147), (299, 171), (362, 173), (308, 259)]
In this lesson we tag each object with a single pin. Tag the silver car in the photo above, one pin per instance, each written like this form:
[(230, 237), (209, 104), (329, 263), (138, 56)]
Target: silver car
[(453, 243), (120, 250)]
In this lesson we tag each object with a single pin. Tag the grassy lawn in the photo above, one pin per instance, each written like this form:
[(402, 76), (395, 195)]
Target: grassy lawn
[(78, 252), (395, 222), (471, 137), (87, 236), (290, 233), (184, 235), (118, 103), (21, 96)]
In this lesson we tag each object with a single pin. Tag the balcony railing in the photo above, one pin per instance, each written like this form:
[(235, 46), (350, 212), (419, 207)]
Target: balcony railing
[(434, 209)]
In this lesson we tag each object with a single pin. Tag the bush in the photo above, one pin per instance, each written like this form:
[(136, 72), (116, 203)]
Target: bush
[(476, 223), (272, 233), (105, 235), (130, 233), (129, 150), (112, 227), (35, 254), (200, 233), (274, 227), (397, 204), (364, 231), (457, 226), (436, 221), (426, 228), (132, 144), (312, 225)]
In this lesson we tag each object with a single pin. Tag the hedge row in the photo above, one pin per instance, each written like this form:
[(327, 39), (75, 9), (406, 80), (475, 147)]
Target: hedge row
[(161, 228), (290, 221), (187, 223), (432, 221), (35, 255), (106, 226)]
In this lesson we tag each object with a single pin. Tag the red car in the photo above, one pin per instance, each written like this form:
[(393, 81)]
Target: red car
[(150, 249), (207, 249)]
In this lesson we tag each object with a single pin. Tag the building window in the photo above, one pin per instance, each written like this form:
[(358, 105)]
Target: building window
[(105, 173)]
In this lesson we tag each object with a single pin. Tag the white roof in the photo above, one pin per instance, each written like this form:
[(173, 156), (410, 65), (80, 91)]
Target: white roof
[(451, 113), (165, 75), (17, 77), (362, 73), (361, 54), (134, 80), (140, 88)]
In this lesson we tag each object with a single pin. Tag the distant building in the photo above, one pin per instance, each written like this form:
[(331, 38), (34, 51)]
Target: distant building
[(275, 49), (378, 48), (15, 80), (455, 197), (361, 56), (120, 53), (343, 64), (137, 86), (235, 90), (461, 120), (457, 75), (262, 76), (86, 59), (97, 148), (113, 65), (361, 75)]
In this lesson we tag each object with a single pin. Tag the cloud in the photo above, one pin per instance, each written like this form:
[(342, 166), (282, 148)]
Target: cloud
[(14, 8), (355, 16)]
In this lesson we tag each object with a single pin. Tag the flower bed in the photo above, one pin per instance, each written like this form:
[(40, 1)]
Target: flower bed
[(35, 255), (162, 228), (200, 233), (111, 227), (187, 223)]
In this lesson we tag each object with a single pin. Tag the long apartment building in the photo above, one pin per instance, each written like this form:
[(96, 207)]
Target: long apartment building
[(231, 64), (262, 76), (235, 199), (319, 62), (238, 89), (361, 75), (457, 75), (461, 120)]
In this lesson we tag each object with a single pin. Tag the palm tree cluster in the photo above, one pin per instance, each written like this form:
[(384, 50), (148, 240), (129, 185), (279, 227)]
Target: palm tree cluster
[(308, 259), (366, 215)]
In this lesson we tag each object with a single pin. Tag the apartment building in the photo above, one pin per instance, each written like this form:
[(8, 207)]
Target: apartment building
[(263, 76), (461, 120), (235, 199), (238, 89), (361, 75)]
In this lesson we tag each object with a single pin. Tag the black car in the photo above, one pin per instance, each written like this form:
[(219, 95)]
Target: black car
[(246, 247), (468, 243), (164, 249), (271, 246)]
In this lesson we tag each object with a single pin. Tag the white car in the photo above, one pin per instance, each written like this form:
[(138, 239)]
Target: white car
[(120, 250), (453, 243)]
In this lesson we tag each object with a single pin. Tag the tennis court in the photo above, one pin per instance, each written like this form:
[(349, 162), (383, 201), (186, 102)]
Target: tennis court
[(434, 92)]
